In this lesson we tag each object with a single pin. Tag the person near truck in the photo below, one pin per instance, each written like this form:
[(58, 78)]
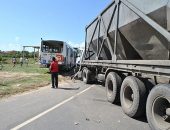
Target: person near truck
[(14, 61), (21, 61), (26, 61), (54, 72)]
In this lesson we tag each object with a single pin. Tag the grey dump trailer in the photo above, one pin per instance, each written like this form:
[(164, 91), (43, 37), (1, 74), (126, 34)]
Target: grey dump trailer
[(128, 47)]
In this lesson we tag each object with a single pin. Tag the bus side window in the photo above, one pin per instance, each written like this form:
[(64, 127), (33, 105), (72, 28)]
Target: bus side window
[(47, 49), (67, 51), (71, 53)]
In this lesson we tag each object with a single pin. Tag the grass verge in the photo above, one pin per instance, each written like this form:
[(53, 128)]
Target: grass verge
[(19, 79)]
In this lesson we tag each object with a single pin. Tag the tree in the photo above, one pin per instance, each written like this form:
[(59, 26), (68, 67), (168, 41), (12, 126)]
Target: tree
[(0, 58)]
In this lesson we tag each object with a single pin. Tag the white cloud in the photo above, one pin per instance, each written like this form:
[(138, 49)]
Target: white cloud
[(81, 45), (17, 38), (14, 46), (18, 47)]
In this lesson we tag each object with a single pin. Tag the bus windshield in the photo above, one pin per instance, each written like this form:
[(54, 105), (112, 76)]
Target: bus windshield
[(52, 46)]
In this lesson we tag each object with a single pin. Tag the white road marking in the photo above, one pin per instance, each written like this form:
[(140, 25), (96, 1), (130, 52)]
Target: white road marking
[(49, 110)]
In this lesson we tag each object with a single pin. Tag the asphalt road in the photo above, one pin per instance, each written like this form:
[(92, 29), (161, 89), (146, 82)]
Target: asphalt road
[(74, 106)]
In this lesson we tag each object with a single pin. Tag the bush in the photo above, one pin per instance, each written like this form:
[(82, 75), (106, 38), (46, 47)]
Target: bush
[(5, 60)]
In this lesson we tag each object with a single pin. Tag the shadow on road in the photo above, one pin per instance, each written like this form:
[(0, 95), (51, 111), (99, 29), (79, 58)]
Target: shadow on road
[(143, 119), (69, 88)]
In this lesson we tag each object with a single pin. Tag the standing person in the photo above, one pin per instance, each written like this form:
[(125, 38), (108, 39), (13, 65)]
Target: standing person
[(14, 61), (26, 61), (21, 61), (54, 72)]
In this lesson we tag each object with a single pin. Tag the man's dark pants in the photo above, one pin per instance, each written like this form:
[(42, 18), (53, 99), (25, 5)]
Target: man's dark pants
[(54, 79)]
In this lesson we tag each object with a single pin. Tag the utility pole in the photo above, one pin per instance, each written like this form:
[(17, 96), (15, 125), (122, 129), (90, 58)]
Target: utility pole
[(23, 52)]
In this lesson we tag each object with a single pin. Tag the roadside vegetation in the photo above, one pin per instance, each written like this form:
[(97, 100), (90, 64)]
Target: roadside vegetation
[(19, 79)]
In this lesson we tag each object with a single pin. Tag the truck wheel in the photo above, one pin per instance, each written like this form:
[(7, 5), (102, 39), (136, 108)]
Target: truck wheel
[(76, 69), (112, 84), (158, 108), (133, 96), (86, 75)]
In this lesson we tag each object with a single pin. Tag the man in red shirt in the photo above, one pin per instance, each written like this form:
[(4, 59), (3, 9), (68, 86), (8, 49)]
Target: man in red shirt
[(54, 72)]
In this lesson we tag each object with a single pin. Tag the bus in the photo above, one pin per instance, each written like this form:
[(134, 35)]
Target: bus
[(65, 54)]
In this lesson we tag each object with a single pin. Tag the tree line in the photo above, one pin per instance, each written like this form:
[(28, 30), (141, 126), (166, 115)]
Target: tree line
[(4, 55)]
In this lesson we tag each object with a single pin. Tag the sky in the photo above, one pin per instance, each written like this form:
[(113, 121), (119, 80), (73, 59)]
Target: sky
[(25, 22)]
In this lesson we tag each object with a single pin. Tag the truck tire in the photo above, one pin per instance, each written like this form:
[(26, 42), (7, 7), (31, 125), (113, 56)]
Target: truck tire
[(112, 84), (76, 69), (86, 76), (133, 96), (158, 108)]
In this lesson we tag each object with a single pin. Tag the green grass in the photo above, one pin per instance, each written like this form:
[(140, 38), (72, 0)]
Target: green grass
[(20, 79), (31, 68)]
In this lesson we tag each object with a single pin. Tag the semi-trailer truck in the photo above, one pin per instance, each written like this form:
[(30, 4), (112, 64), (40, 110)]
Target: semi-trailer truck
[(128, 47)]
